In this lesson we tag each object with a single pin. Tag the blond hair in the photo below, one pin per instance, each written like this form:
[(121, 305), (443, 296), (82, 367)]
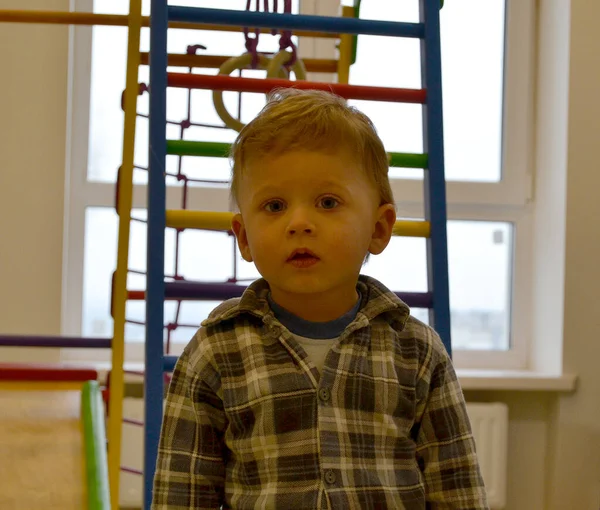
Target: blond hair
[(311, 120)]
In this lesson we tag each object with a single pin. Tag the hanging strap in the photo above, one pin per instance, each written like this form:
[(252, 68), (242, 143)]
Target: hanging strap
[(252, 42), (285, 41)]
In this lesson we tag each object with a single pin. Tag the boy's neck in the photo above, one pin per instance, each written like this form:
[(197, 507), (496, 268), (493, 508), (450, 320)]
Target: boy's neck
[(316, 308)]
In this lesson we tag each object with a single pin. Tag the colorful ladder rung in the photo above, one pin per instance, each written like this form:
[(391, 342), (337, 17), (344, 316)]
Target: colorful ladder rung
[(54, 341), (277, 21), (236, 84), (45, 373), (314, 65), (222, 150), (123, 20), (197, 291), (206, 220)]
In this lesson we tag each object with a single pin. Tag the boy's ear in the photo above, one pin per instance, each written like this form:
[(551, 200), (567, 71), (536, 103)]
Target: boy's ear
[(386, 219), (237, 225)]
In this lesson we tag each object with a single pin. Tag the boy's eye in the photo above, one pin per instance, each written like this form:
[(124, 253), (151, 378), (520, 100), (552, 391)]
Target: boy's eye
[(328, 203), (274, 206)]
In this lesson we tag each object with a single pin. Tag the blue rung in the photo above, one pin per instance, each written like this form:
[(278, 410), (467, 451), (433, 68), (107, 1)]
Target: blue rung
[(169, 363), (222, 291), (296, 22)]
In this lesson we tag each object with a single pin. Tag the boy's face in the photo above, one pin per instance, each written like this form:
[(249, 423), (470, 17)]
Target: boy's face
[(307, 221)]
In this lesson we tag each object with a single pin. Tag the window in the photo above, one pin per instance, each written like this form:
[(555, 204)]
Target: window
[(487, 72)]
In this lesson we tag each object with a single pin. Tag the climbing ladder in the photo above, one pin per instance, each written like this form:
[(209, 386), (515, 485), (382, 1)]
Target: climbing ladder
[(432, 161)]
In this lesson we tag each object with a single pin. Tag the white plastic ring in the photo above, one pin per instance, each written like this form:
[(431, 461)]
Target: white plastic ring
[(234, 63)]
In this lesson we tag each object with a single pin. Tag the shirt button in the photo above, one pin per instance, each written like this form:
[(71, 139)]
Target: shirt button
[(324, 394), (330, 476)]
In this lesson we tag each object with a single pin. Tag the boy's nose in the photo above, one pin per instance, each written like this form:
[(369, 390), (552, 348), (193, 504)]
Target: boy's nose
[(300, 222)]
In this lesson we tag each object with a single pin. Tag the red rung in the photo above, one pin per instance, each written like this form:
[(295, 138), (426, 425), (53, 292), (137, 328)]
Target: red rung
[(106, 396), (138, 295), (133, 422), (236, 84), (131, 470), (46, 373), (134, 372)]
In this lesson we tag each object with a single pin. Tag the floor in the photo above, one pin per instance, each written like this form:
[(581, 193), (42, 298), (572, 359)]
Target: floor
[(41, 451)]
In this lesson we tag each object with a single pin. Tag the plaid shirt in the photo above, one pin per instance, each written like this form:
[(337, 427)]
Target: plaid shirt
[(250, 423)]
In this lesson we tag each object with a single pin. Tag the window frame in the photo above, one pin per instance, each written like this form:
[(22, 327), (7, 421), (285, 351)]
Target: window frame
[(509, 200)]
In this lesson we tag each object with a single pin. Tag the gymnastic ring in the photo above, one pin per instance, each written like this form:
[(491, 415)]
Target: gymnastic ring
[(241, 62), (278, 62)]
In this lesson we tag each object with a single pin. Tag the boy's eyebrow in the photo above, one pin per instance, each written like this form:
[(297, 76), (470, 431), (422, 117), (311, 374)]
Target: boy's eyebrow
[(267, 189), (270, 189)]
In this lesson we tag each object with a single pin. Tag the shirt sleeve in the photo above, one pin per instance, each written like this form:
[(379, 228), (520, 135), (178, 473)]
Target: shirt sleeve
[(190, 468), (445, 445)]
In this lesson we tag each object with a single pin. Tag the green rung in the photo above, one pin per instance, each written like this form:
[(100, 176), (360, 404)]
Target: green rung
[(190, 148), (221, 150), (408, 160)]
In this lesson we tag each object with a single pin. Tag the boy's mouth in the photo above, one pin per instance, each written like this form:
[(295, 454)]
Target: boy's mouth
[(302, 258)]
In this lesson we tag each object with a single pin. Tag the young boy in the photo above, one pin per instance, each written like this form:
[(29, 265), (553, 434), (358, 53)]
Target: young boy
[(316, 389)]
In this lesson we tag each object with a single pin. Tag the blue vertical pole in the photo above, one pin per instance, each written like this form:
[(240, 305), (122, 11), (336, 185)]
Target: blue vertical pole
[(155, 286), (434, 179)]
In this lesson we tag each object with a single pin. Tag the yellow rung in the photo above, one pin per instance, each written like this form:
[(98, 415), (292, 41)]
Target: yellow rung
[(122, 20), (406, 228), (41, 385), (206, 220)]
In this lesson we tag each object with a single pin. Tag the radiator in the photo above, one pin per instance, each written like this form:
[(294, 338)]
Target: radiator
[(490, 428)]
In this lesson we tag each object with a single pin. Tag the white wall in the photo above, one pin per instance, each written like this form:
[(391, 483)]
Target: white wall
[(554, 453), (577, 423), (33, 105)]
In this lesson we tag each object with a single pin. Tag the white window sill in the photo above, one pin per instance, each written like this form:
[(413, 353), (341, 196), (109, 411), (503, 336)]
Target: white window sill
[(515, 380)]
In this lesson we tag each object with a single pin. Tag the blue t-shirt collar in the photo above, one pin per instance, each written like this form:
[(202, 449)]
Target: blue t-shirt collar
[(309, 329)]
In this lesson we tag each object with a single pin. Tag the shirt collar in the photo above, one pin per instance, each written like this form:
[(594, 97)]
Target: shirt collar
[(310, 329), (376, 299)]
